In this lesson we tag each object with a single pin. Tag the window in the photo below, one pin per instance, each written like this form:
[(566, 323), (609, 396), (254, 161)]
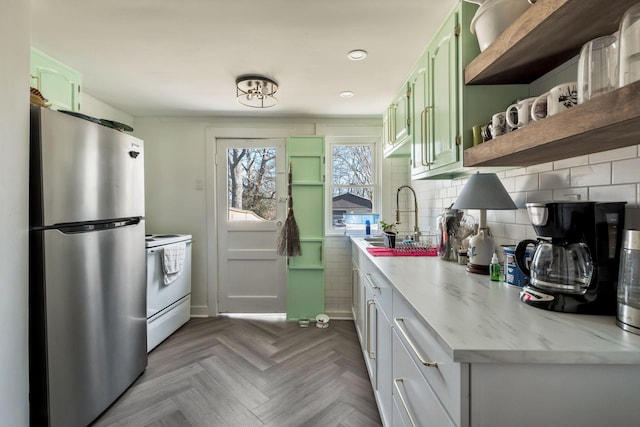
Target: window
[(353, 187)]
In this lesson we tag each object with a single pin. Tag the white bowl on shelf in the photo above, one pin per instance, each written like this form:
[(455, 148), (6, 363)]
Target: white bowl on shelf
[(495, 16)]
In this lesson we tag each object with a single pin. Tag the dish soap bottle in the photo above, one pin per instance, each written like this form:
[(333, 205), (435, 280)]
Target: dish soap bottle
[(367, 227), (494, 268)]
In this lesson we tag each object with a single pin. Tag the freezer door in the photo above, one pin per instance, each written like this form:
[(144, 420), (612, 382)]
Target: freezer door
[(83, 171), (94, 318)]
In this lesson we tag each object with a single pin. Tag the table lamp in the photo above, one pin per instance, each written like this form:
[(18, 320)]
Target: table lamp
[(483, 191)]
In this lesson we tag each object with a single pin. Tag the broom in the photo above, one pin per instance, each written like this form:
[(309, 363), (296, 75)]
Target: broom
[(289, 239)]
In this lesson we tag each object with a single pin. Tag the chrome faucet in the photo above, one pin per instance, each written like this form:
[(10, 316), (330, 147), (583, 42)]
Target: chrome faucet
[(416, 230)]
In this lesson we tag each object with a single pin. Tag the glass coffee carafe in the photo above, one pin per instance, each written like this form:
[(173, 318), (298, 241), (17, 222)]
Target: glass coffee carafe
[(575, 265), (565, 268)]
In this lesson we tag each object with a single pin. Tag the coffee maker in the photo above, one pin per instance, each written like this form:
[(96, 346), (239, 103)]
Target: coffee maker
[(575, 264)]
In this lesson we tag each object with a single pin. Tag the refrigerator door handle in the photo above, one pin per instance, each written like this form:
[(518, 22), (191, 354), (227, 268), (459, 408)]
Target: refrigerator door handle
[(91, 226), (100, 225)]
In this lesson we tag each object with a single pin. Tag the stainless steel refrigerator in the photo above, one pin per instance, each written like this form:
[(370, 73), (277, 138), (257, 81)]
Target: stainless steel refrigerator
[(87, 296)]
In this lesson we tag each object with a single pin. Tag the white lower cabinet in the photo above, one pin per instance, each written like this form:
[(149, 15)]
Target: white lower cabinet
[(398, 348), (357, 295), (415, 400), (417, 383), (446, 378), (376, 340)]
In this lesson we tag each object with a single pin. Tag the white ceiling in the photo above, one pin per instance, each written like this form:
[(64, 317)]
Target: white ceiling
[(181, 57)]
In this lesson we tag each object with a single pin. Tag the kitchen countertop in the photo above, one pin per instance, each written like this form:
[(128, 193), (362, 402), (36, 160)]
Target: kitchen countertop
[(480, 321)]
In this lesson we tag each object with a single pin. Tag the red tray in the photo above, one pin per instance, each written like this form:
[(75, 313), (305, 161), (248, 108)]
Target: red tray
[(403, 252)]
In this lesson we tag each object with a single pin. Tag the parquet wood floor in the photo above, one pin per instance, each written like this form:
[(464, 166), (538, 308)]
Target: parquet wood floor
[(224, 372)]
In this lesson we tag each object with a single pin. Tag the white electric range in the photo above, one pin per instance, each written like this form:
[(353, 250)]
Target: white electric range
[(168, 306)]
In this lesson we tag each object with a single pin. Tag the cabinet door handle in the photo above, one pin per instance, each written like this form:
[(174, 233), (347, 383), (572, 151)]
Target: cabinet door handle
[(372, 354), (368, 277), (396, 381), (37, 78), (422, 360), (354, 271), (389, 125), (422, 134), (392, 124), (321, 253), (425, 138)]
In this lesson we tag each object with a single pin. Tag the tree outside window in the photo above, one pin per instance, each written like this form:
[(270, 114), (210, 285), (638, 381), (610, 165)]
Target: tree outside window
[(353, 185), (251, 184)]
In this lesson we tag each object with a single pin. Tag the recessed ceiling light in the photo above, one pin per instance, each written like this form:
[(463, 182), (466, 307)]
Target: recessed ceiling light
[(346, 94), (357, 55)]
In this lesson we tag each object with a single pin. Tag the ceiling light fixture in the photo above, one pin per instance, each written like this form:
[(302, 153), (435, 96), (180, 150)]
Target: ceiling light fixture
[(256, 91), (346, 94), (357, 55)]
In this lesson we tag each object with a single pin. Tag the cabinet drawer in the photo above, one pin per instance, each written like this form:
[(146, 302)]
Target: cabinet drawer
[(382, 289), (415, 402), (448, 380)]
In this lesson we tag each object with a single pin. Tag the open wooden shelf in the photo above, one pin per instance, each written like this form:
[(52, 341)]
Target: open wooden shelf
[(549, 33), (604, 123)]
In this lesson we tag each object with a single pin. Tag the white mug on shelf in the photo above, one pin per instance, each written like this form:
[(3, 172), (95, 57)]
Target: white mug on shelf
[(518, 114), (498, 124), (558, 99)]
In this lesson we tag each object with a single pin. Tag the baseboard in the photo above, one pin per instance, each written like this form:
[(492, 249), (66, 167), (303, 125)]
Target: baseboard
[(199, 311), (340, 315)]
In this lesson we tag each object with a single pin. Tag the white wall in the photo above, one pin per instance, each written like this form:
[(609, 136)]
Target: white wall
[(96, 108), (14, 137), (178, 170)]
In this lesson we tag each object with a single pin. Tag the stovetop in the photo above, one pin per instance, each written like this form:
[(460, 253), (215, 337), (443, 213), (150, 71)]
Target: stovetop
[(153, 240)]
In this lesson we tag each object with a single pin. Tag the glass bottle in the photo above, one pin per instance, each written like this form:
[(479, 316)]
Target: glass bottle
[(494, 268)]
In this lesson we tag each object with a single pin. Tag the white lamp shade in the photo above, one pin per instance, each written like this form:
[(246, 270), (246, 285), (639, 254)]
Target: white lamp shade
[(484, 191)]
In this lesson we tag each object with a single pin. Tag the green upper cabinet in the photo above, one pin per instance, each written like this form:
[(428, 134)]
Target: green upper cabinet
[(443, 88), (435, 106), (419, 81), (398, 127), (59, 84), (444, 110)]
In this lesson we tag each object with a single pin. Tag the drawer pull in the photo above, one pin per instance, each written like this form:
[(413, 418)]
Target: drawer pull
[(404, 402), (372, 354), (422, 360), (368, 277)]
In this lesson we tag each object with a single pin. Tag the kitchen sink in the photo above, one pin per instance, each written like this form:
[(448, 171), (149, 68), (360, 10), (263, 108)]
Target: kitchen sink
[(377, 241), (374, 239), (377, 244)]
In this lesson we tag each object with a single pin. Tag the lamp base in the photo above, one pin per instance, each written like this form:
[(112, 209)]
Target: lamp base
[(478, 269)]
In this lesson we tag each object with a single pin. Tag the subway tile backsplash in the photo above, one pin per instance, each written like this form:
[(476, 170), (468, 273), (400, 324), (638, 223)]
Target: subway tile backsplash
[(610, 176), (590, 175)]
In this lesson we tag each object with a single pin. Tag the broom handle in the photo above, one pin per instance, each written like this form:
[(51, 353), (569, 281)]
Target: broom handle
[(289, 187)]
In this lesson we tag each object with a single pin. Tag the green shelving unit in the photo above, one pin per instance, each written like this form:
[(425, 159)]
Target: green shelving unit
[(305, 273)]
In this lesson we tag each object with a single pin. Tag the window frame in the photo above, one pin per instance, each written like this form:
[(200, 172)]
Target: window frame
[(376, 184)]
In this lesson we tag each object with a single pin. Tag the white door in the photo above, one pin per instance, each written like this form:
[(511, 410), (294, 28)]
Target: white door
[(251, 207)]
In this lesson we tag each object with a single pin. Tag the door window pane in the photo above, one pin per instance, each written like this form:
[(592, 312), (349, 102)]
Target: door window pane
[(251, 184)]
